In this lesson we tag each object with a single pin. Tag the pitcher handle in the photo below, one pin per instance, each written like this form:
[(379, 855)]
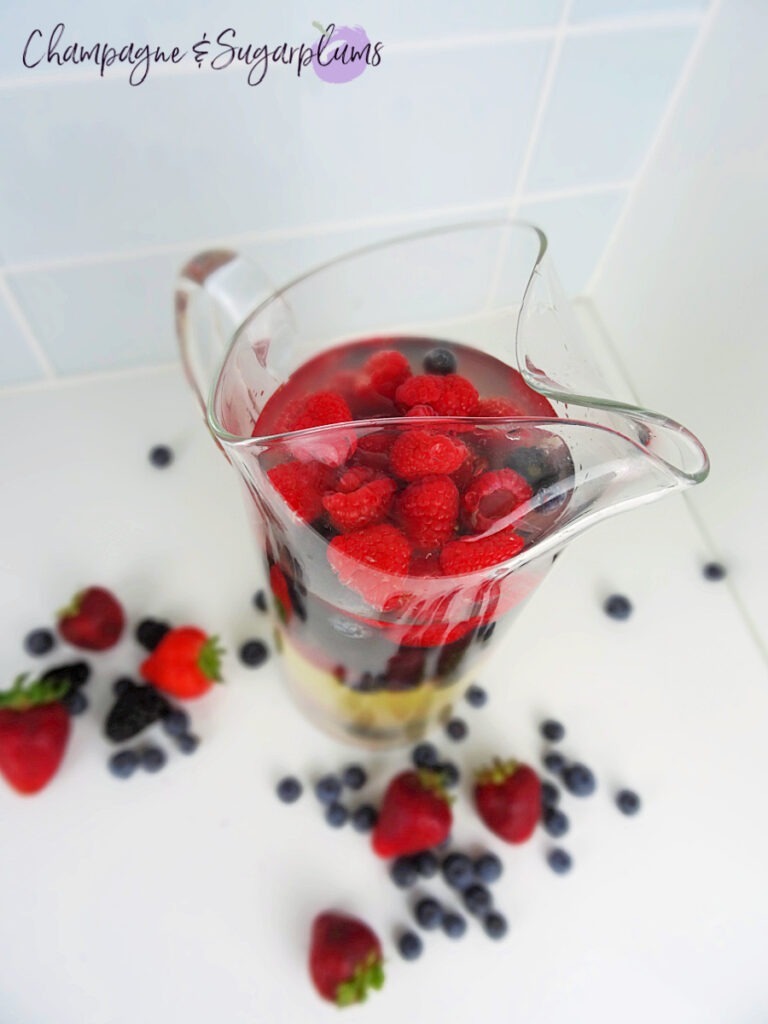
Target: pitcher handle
[(215, 293)]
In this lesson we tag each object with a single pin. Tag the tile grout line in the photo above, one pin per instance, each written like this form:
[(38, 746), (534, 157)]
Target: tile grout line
[(306, 231), (92, 376), (661, 130), (20, 318), (542, 101), (659, 20)]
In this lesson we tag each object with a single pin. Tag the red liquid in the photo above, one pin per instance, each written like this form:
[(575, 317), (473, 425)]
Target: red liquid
[(375, 655)]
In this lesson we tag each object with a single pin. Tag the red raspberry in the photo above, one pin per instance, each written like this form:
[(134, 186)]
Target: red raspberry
[(493, 496), (425, 565), (354, 477), (423, 389), (497, 406), (461, 556), (387, 371), (319, 409), (367, 505), (281, 593), (421, 410), (313, 410), (302, 485), (360, 558), (373, 449), (428, 510), (472, 466), (457, 398), (418, 453)]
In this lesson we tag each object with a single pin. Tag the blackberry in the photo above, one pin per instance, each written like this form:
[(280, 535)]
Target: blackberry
[(135, 709)]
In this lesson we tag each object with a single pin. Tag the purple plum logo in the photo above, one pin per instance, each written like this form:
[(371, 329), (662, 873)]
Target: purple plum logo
[(343, 53)]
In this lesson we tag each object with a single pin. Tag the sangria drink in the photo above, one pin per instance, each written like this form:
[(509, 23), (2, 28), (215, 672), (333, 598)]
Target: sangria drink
[(387, 568)]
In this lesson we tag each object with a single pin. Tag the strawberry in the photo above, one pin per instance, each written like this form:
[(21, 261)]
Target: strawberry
[(345, 958), (93, 620), (34, 729), (185, 663), (415, 814), (508, 799)]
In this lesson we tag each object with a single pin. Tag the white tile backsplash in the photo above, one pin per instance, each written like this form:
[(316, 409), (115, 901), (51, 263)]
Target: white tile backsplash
[(105, 189), (17, 361), (608, 97)]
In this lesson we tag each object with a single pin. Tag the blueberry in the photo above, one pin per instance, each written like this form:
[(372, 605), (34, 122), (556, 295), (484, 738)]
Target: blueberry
[(410, 946), (354, 776), (556, 823), (176, 722), (364, 818), (289, 790), (554, 762), (254, 653), (477, 899), (426, 864), (150, 632), (628, 801), (124, 763), (714, 571), (440, 360), (560, 861), (153, 759), (260, 600), (187, 742), (39, 642), (404, 872), (476, 696), (428, 913), (552, 730), (458, 870), (327, 789), (336, 815), (456, 729), (495, 925), (550, 794), (488, 868), (617, 607), (425, 755), (579, 780), (454, 925), (161, 456), (450, 773), (75, 702)]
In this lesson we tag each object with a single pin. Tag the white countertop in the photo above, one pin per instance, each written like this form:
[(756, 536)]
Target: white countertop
[(187, 896)]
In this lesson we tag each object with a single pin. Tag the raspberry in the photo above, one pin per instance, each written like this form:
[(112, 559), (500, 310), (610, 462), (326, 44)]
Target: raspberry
[(281, 593), (373, 449), (360, 558), (461, 556), (425, 565), (420, 390), (387, 371), (319, 409), (355, 477), (313, 410), (421, 410), (367, 505), (418, 453), (457, 398), (497, 406), (492, 496), (301, 484), (472, 466), (428, 510)]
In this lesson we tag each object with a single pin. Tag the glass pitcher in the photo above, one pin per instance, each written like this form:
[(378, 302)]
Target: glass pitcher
[(383, 604)]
